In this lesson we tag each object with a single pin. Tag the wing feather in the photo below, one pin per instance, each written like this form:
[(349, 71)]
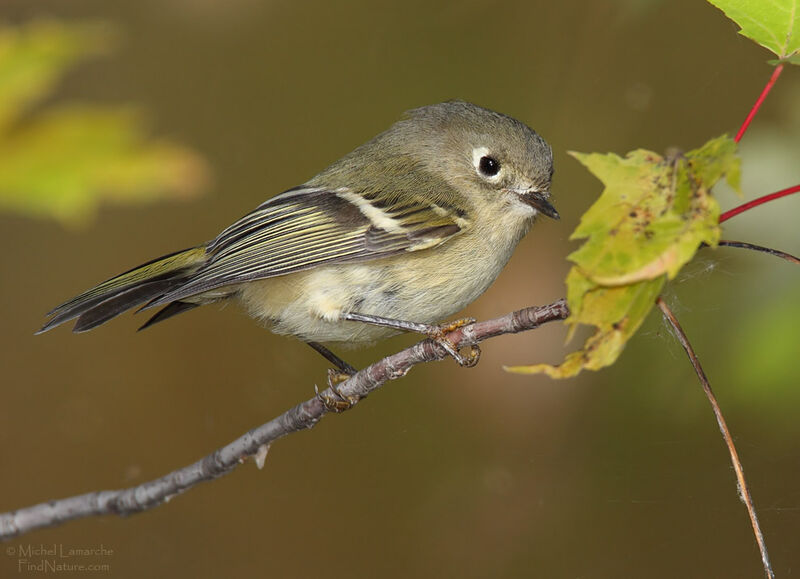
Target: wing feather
[(309, 227)]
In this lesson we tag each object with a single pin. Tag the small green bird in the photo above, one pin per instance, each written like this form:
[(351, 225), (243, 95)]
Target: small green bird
[(399, 234)]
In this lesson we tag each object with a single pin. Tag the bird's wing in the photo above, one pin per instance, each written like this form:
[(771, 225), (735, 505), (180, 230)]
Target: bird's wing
[(308, 227)]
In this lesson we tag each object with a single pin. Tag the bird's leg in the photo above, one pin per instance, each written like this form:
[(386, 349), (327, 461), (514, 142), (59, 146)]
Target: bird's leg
[(434, 332), (345, 370)]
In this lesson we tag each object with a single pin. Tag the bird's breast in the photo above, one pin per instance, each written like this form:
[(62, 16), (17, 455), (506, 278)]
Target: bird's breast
[(427, 286)]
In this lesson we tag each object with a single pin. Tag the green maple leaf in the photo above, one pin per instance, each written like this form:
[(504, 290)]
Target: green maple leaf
[(774, 24), (63, 162), (651, 218)]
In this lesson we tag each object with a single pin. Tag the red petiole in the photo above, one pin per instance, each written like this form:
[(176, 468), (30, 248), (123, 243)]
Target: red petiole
[(756, 202), (775, 74), (742, 130)]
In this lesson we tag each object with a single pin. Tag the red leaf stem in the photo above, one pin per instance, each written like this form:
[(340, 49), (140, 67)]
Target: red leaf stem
[(756, 202), (775, 74)]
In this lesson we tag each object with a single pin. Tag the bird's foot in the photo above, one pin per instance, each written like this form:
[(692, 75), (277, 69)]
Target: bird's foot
[(336, 402), (438, 334)]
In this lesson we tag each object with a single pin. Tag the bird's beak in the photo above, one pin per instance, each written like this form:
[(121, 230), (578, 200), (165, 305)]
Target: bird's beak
[(538, 201)]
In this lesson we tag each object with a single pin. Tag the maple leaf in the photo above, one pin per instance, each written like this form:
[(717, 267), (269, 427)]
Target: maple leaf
[(653, 215), (774, 24)]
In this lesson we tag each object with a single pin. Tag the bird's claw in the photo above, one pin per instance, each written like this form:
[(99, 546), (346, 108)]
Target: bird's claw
[(467, 361), (454, 325), (438, 335), (337, 402)]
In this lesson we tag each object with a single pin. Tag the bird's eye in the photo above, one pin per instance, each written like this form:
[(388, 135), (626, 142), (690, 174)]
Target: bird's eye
[(488, 166)]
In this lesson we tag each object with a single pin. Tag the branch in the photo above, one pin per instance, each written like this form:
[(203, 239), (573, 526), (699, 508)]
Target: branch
[(255, 443), (744, 492)]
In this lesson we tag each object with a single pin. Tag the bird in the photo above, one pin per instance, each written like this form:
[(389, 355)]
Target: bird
[(399, 234)]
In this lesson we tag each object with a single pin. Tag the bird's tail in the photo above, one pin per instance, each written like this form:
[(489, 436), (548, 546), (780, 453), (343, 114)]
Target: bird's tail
[(135, 287)]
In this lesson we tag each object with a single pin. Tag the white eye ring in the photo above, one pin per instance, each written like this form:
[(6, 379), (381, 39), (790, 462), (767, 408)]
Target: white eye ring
[(485, 163)]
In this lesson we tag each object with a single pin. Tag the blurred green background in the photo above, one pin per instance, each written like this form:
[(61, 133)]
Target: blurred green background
[(448, 472)]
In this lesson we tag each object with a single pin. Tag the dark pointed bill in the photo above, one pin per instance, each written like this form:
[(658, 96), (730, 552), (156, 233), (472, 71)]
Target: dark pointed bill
[(539, 202)]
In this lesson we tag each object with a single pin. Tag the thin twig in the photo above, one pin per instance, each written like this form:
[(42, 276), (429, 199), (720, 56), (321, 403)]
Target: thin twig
[(756, 202), (744, 492), (775, 74), (776, 252), (305, 415)]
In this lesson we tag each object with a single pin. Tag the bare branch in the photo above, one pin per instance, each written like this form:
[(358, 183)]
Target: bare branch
[(304, 415), (744, 492)]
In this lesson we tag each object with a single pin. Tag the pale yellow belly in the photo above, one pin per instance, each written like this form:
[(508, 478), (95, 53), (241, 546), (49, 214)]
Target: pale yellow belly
[(428, 287)]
